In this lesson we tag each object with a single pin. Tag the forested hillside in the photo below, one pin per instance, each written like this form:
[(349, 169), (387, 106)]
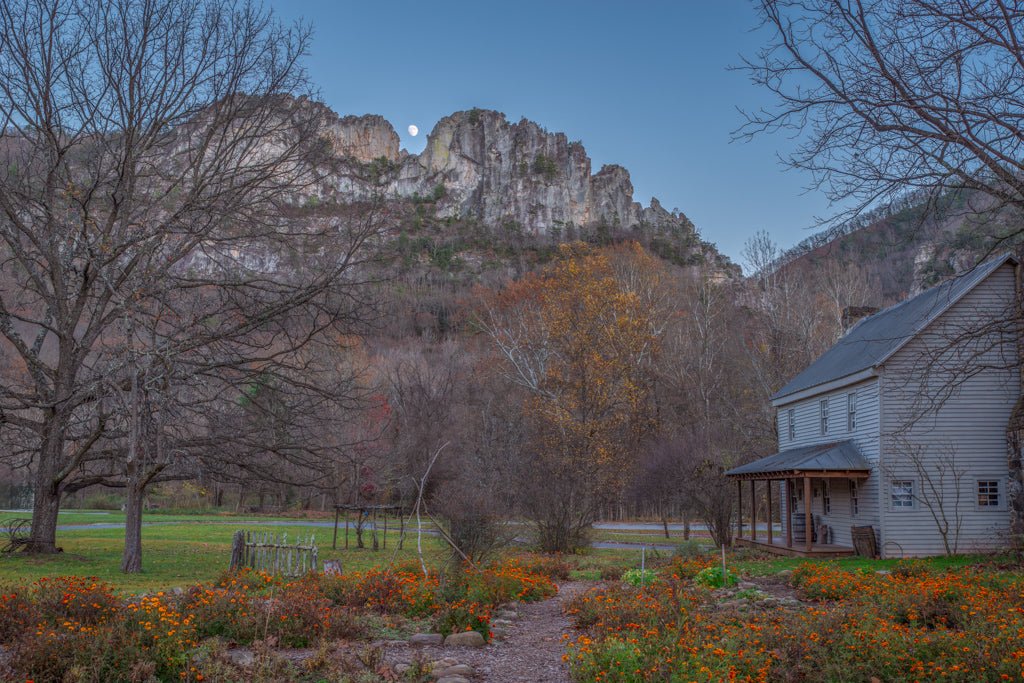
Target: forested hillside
[(912, 244)]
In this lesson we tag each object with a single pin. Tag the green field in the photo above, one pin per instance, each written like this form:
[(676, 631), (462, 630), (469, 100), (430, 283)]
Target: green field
[(183, 549)]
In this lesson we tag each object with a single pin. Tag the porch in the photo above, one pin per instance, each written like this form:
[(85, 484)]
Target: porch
[(779, 547), (801, 532)]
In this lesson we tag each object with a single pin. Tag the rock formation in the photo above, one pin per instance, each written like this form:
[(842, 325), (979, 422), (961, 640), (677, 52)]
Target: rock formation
[(479, 165)]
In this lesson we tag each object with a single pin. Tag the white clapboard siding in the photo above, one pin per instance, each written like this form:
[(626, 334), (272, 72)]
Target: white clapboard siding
[(864, 436), (946, 398)]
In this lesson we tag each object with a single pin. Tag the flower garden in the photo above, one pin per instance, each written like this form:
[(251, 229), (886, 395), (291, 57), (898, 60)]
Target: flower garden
[(679, 620), (72, 629), (913, 623)]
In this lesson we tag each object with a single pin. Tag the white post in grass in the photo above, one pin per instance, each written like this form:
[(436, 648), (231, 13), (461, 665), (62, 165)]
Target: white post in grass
[(643, 564)]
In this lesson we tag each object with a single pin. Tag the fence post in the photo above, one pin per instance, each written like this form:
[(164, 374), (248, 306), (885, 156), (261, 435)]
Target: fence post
[(237, 550)]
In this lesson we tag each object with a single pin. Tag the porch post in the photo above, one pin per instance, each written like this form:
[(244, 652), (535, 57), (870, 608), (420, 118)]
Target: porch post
[(753, 510), (789, 513), (808, 528), (770, 534), (739, 508)]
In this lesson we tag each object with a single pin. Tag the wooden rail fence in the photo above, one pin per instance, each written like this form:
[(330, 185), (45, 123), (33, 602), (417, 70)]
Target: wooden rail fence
[(265, 551)]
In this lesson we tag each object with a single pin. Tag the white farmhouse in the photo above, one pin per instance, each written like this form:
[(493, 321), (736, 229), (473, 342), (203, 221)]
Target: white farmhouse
[(896, 437)]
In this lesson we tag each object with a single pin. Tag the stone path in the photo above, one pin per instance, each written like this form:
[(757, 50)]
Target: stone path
[(529, 650)]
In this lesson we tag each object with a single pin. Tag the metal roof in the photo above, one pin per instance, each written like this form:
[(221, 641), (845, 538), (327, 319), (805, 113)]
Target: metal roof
[(875, 338), (838, 456)]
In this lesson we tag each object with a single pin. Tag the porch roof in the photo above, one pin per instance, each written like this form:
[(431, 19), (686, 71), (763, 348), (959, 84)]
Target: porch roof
[(836, 459)]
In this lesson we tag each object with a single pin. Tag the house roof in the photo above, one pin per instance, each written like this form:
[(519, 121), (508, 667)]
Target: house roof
[(838, 456), (875, 338)]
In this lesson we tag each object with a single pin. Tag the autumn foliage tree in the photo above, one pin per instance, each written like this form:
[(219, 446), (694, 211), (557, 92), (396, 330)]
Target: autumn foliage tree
[(580, 339)]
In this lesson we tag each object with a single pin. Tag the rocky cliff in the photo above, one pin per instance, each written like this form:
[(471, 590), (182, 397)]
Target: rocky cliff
[(479, 165)]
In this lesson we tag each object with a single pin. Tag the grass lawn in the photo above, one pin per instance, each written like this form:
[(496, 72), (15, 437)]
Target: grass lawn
[(181, 550)]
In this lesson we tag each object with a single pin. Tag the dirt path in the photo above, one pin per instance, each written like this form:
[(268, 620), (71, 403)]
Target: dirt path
[(532, 648), (530, 651)]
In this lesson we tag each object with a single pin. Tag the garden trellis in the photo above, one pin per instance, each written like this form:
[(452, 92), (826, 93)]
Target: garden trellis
[(265, 551)]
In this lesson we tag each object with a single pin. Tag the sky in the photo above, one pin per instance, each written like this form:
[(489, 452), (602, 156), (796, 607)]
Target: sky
[(644, 84)]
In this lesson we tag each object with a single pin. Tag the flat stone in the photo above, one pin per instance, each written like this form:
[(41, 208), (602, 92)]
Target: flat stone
[(426, 639), (456, 670), (501, 622), (506, 614), (241, 657), (443, 663), (465, 639), (453, 679)]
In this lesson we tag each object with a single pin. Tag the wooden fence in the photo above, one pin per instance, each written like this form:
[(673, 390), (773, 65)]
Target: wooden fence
[(265, 551)]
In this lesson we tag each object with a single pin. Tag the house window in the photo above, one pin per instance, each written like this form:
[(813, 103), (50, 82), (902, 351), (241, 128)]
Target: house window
[(902, 494), (988, 493), (854, 500), (791, 417), (826, 497), (823, 404), (851, 411)]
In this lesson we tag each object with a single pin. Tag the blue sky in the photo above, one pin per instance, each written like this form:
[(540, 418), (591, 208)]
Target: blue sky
[(641, 84)]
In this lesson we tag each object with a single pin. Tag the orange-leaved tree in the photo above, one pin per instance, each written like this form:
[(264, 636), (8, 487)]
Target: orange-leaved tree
[(580, 338)]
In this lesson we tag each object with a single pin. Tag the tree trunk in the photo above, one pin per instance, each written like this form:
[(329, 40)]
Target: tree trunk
[(131, 559), (45, 507), (46, 491)]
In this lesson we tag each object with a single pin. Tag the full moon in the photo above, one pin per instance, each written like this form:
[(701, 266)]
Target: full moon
[(414, 131)]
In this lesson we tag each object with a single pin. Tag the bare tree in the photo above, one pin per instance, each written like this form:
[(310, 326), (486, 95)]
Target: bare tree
[(703, 460), (942, 481), (891, 96), (787, 327), (151, 152)]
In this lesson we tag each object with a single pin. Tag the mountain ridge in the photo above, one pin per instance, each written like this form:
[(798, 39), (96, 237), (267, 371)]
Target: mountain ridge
[(477, 164)]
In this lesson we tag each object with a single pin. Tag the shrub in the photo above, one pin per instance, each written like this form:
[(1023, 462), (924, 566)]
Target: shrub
[(463, 615), (712, 577), (824, 581), (398, 591), (684, 569), (221, 611), (690, 549), (17, 615), (906, 569), (545, 166), (508, 582), (86, 600), (551, 565), (639, 577)]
